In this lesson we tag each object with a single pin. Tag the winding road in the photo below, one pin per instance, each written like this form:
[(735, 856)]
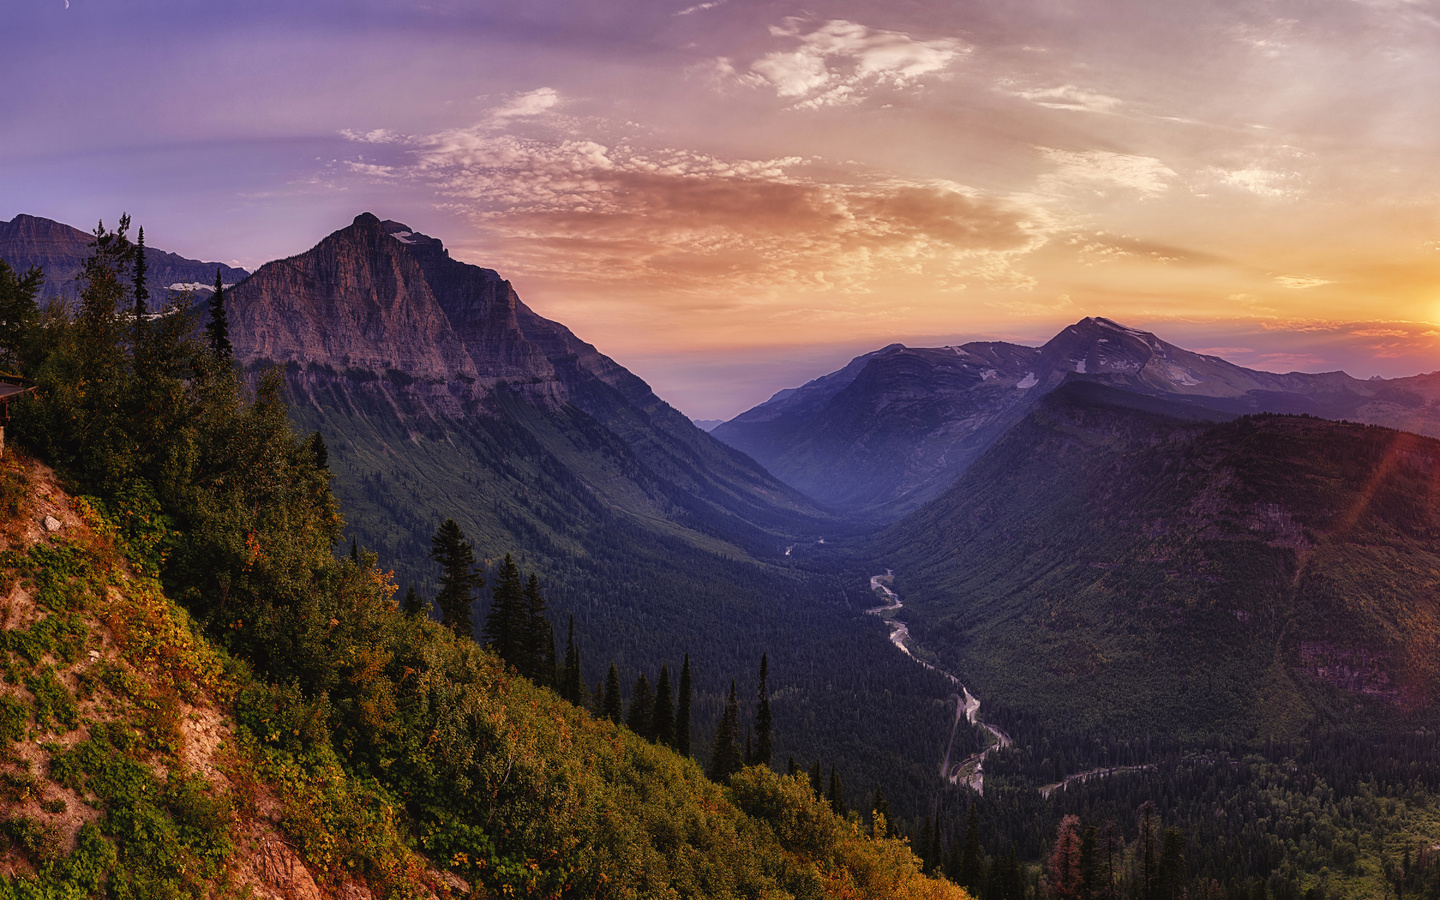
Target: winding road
[(969, 771)]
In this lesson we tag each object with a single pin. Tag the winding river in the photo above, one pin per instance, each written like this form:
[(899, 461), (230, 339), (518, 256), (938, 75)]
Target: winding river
[(969, 771)]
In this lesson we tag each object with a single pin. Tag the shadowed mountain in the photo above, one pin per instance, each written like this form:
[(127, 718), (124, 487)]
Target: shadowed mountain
[(895, 427), (1122, 567), (29, 241)]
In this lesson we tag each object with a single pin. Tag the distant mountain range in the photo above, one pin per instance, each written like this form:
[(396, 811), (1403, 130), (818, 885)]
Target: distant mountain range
[(58, 249), (895, 427)]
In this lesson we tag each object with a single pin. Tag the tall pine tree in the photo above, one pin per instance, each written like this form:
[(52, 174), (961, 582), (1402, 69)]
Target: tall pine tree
[(641, 718), (725, 755), (505, 625), (764, 747), (572, 686), (664, 718), (137, 277), (611, 706), (458, 579), (539, 650), (682, 711), (217, 330)]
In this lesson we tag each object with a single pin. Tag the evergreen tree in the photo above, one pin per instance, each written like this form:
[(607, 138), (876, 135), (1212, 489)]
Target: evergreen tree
[(1146, 849), (641, 718), (817, 780), (1089, 864), (539, 650), (319, 452), (458, 578), (682, 711), (836, 794), (1170, 877), (505, 628), (664, 718), (572, 687), (137, 274), (217, 330), (611, 706), (971, 870), (19, 314), (764, 748), (725, 755), (413, 606)]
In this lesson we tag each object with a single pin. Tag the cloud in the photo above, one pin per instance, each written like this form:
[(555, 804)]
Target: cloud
[(841, 61), (690, 221), (1098, 171), (530, 103), (1068, 96), (700, 7), (1298, 283), (377, 136)]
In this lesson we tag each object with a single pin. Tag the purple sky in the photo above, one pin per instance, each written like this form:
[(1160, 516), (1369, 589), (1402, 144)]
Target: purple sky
[(733, 197)]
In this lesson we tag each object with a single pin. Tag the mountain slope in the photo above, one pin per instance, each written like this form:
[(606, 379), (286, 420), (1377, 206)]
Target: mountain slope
[(28, 241), (1249, 577), (894, 428), (441, 395)]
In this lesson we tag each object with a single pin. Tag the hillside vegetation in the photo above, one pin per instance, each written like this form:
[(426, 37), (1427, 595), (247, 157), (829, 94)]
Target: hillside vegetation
[(1252, 578), (368, 740)]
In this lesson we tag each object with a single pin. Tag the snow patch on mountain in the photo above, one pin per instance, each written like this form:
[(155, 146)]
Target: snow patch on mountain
[(1027, 382)]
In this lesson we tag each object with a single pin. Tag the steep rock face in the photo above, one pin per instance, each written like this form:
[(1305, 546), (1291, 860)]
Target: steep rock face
[(443, 395), (358, 300), (893, 428), (28, 241)]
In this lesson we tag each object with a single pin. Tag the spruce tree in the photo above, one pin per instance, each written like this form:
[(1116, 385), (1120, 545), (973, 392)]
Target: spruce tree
[(539, 650), (817, 780), (682, 711), (611, 706), (641, 718), (764, 748), (972, 857), (413, 606), (725, 755), (217, 330), (137, 275), (505, 627), (572, 687), (664, 718), (458, 578), (836, 794), (319, 452)]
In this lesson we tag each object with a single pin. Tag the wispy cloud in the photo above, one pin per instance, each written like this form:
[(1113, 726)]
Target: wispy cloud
[(841, 61), (1101, 171), (1069, 96), (1300, 283)]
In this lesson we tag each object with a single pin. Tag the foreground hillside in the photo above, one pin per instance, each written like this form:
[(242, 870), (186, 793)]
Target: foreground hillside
[(155, 752), (1257, 577)]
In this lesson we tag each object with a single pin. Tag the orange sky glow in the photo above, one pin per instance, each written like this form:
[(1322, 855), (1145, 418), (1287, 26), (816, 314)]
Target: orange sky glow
[(733, 197)]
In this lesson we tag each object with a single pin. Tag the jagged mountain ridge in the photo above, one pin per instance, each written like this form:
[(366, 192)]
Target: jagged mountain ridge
[(893, 428), (28, 241)]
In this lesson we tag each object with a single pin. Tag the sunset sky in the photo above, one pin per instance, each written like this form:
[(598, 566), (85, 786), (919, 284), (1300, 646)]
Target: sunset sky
[(732, 197)]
